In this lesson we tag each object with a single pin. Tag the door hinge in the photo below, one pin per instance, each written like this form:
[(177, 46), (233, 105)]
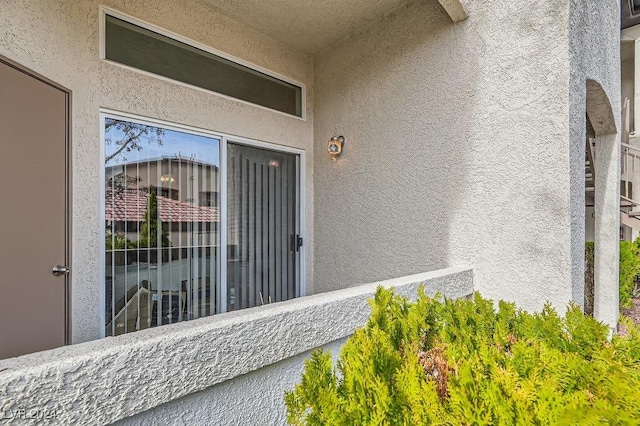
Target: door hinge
[(299, 243)]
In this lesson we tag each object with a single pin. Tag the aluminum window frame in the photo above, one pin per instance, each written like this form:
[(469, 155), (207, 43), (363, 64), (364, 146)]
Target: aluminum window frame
[(224, 138), (104, 11)]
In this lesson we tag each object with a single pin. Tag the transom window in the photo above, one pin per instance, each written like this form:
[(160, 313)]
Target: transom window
[(132, 43)]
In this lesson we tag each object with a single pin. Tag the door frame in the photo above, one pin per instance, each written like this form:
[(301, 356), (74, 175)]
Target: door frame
[(66, 256), (224, 138)]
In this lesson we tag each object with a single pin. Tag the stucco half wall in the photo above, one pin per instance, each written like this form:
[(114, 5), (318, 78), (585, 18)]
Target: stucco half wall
[(193, 372), (457, 150)]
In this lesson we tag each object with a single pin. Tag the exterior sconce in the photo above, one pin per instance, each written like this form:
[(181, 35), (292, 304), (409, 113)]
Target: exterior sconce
[(335, 146)]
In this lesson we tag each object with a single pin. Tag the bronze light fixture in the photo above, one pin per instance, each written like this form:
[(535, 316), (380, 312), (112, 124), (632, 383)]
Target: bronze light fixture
[(335, 145)]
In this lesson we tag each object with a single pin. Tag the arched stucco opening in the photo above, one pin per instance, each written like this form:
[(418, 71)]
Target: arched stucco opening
[(606, 177)]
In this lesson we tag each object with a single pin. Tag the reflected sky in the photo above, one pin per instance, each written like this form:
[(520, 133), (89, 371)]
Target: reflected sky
[(203, 149)]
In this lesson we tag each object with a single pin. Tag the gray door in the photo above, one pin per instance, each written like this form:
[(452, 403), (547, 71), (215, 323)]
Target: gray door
[(263, 242), (33, 212)]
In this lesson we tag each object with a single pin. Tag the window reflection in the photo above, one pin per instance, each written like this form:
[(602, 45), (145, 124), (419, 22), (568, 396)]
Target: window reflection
[(161, 226)]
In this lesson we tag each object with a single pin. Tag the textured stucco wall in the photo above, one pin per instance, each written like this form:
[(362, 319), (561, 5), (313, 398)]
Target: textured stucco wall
[(256, 398), (595, 56), (189, 363), (59, 39), (457, 150)]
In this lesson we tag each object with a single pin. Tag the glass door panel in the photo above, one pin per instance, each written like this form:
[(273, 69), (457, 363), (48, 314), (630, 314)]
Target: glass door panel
[(262, 235), (161, 226)]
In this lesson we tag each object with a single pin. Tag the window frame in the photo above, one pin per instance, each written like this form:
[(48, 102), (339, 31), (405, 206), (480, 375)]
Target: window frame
[(104, 11), (222, 155)]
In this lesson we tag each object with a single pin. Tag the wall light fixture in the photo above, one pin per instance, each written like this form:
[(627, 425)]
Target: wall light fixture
[(335, 146)]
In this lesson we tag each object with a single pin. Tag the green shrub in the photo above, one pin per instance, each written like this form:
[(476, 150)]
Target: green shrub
[(629, 268), (463, 362), (152, 226), (118, 242)]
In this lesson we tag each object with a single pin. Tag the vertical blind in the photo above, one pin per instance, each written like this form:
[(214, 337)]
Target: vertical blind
[(261, 228)]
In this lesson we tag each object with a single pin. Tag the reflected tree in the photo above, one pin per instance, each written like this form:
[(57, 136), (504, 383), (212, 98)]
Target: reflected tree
[(152, 225), (127, 136)]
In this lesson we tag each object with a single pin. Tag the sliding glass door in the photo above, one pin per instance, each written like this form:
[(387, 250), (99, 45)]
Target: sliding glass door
[(165, 194), (161, 225), (263, 240)]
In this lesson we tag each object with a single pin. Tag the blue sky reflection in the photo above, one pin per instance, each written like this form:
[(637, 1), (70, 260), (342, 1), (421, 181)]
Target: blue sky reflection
[(199, 148)]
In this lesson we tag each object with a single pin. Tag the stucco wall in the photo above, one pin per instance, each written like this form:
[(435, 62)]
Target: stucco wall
[(256, 398), (59, 39), (457, 150), (457, 134), (594, 55)]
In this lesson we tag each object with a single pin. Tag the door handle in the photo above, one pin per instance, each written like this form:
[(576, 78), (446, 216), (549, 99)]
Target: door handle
[(60, 270), (296, 242)]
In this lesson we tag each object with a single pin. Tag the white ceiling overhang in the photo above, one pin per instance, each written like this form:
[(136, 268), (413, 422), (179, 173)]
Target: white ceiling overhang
[(309, 26)]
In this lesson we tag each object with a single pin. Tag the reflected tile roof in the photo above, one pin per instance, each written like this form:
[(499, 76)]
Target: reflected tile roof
[(130, 205)]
